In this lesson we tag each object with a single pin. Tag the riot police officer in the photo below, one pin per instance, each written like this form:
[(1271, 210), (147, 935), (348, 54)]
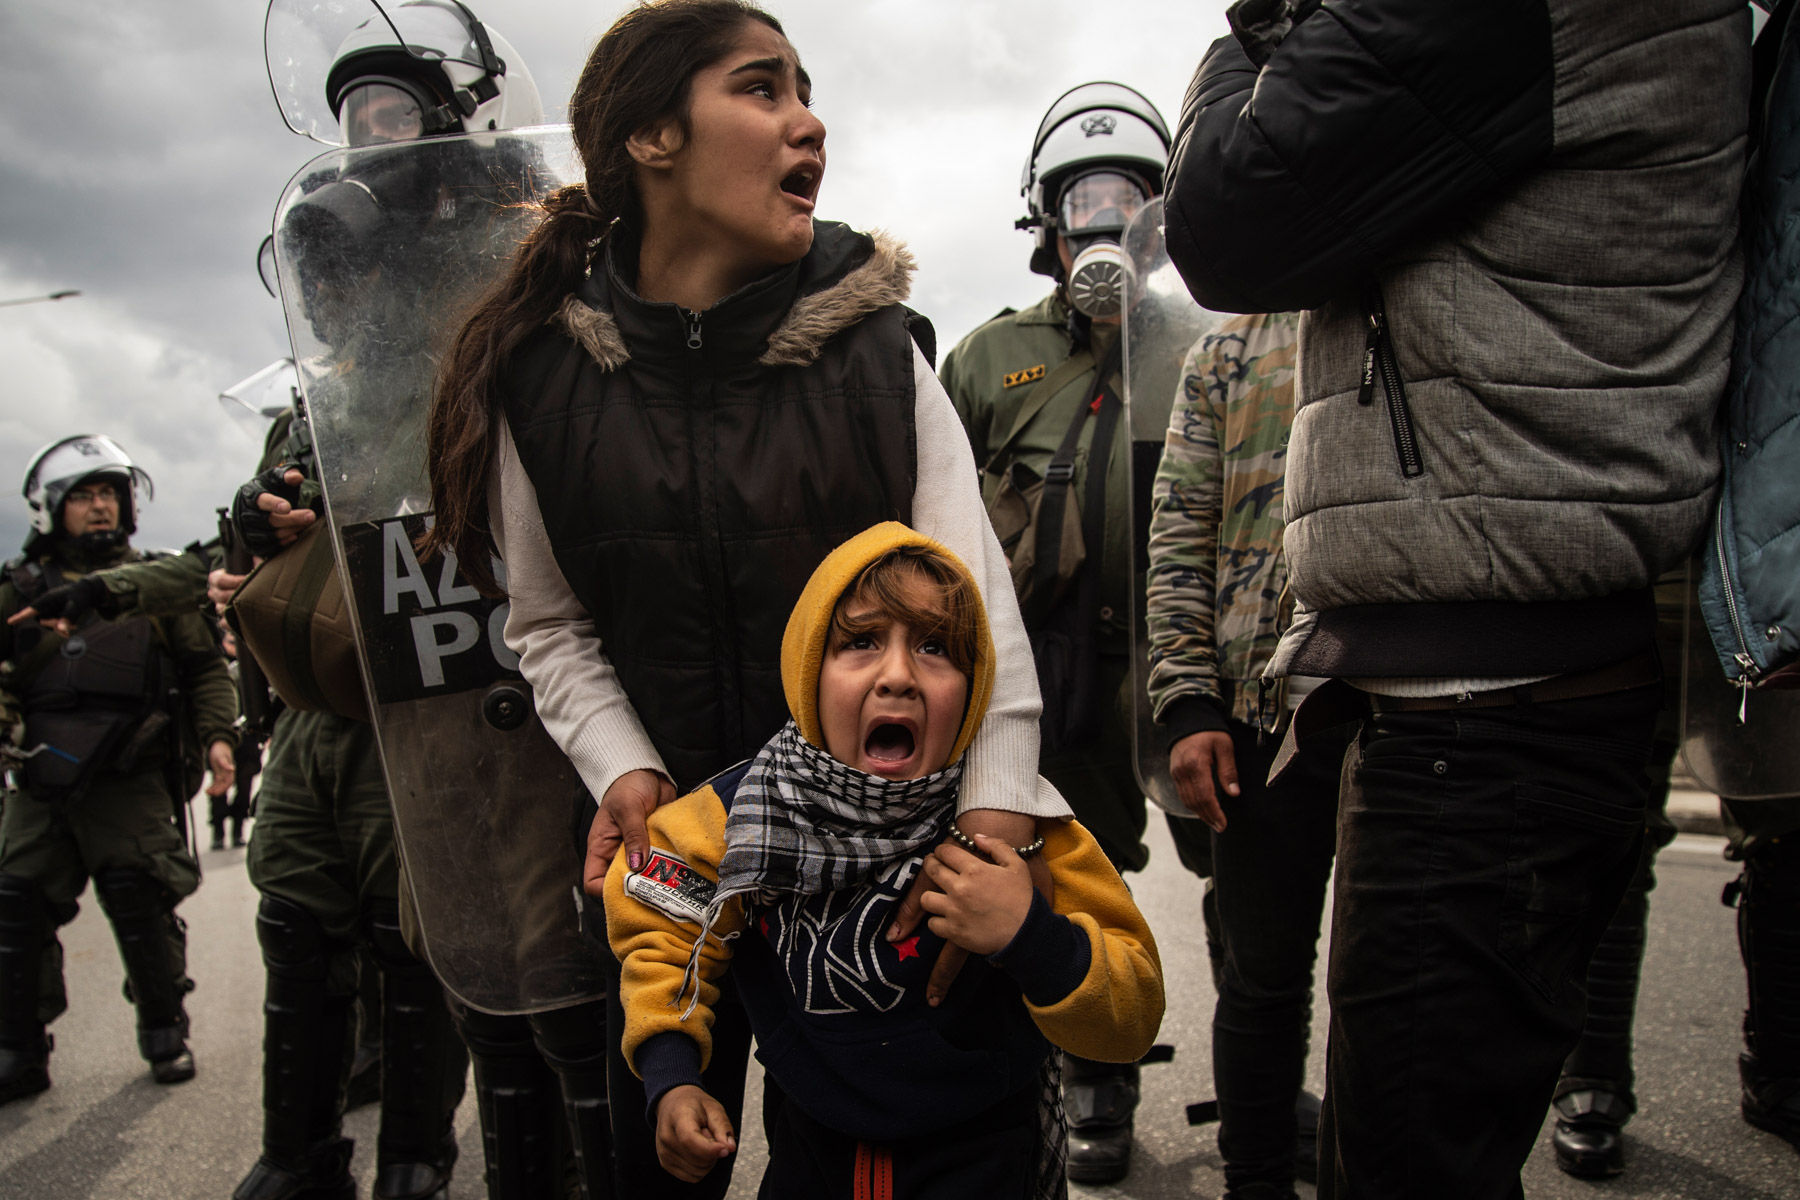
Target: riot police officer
[(1039, 395), (107, 728), (323, 851)]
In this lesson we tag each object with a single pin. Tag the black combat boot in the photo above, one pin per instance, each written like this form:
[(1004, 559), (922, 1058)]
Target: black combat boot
[(1769, 938), (24, 1046), (1589, 1120), (306, 1056), (423, 1068), (523, 1139), (573, 1042), (1260, 1191), (152, 943), (1101, 1100)]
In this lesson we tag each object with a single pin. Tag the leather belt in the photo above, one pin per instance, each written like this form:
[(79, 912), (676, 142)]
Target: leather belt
[(1643, 669), (1335, 702)]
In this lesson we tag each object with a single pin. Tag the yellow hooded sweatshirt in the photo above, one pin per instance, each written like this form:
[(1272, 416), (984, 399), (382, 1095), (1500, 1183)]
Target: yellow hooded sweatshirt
[(839, 1013)]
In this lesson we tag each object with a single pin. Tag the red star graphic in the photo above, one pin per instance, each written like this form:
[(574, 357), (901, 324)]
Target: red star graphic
[(908, 948), (763, 925)]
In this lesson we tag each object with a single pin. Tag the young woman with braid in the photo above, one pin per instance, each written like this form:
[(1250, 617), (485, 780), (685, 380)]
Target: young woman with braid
[(684, 394)]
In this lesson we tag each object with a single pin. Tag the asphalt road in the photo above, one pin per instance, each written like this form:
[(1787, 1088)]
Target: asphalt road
[(105, 1130)]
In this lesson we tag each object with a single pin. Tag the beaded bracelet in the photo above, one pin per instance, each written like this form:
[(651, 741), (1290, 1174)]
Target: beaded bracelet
[(968, 843)]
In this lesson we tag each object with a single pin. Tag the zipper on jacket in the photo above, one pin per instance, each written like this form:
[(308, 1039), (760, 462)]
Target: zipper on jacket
[(1747, 669), (1379, 361), (692, 321)]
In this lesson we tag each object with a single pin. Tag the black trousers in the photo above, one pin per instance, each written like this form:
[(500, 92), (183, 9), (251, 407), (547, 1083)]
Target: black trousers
[(1270, 867), (1481, 854)]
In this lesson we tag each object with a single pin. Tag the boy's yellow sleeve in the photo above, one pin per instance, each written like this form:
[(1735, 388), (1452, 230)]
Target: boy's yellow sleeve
[(1113, 1016), (653, 917)]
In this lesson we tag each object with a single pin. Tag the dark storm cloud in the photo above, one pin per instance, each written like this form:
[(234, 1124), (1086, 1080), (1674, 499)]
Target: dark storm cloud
[(141, 156)]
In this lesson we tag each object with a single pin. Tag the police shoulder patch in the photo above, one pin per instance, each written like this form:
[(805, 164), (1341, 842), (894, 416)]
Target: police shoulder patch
[(670, 886), (1013, 379)]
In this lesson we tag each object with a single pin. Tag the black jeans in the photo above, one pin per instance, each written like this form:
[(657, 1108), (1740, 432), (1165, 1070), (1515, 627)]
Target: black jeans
[(1481, 854), (1269, 872)]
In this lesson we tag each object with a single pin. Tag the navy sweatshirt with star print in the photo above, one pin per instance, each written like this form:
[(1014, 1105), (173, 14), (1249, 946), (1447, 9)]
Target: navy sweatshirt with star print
[(839, 1012)]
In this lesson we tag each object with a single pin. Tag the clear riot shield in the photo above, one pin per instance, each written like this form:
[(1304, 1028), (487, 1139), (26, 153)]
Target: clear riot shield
[(1739, 742), (1162, 323), (382, 249)]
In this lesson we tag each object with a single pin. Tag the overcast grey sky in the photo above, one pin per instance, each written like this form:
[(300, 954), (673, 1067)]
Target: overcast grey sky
[(141, 157)]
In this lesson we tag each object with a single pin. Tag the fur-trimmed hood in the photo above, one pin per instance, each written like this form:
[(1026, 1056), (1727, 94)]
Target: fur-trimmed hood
[(844, 277)]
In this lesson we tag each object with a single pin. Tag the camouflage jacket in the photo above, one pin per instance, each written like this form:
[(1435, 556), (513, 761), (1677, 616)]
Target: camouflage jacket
[(1216, 569)]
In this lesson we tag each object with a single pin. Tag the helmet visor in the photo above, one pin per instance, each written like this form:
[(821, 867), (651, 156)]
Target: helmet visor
[(378, 112), (304, 39), (1100, 202)]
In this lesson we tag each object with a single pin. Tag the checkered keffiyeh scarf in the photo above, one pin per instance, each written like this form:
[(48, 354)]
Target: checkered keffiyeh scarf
[(803, 823)]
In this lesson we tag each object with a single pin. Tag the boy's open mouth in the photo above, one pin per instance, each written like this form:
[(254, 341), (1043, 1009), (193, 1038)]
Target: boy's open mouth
[(889, 744)]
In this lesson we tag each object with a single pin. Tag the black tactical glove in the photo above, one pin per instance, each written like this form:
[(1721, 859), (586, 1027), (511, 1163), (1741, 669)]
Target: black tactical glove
[(73, 601), (257, 535)]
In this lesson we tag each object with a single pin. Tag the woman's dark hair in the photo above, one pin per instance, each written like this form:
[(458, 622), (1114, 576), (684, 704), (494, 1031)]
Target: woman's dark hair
[(639, 73)]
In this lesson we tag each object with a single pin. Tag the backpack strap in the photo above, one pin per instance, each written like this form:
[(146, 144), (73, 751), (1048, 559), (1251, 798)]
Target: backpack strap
[(1069, 370), (1060, 476)]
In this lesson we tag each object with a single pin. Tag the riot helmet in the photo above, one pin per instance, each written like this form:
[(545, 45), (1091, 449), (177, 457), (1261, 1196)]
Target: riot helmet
[(384, 78), (360, 72), (63, 465), (1099, 156)]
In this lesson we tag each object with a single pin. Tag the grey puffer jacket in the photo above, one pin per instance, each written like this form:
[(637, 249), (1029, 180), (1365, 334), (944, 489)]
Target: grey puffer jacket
[(1514, 224)]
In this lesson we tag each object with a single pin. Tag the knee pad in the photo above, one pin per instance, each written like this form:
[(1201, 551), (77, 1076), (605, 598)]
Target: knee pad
[(493, 1037), (292, 940), (572, 1036), (126, 890), (1773, 870), (381, 925), (22, 904)]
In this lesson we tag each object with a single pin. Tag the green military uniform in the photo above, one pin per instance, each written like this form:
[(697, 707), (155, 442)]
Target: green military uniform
[(1017, 400), (120, 829), (324, 835), (322, 855)]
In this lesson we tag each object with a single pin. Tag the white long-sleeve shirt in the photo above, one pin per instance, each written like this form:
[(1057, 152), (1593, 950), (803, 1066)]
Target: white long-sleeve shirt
[(585, 708)]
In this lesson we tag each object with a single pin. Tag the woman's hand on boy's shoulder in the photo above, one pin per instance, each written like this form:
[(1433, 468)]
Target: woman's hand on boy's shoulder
[(692, 1133), (979, 905)]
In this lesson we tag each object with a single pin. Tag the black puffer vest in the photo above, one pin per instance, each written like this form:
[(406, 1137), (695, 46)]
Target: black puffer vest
[(692, 471)]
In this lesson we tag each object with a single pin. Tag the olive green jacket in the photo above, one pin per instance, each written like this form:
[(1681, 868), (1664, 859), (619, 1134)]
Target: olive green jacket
[(990, 375)]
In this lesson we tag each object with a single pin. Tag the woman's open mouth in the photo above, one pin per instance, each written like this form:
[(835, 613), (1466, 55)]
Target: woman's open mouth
[(802, 182), (889, 744)]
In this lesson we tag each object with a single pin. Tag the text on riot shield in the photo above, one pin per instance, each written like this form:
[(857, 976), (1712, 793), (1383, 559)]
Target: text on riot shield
[(426, 632)]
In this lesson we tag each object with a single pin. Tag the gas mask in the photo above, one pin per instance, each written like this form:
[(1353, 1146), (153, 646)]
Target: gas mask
[(1091, 215)]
